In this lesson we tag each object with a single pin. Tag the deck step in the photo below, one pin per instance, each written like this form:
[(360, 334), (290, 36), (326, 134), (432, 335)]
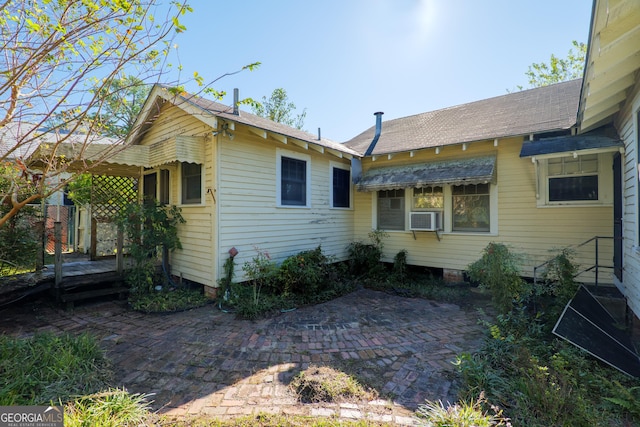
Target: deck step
[(69, 282), (77, 296)]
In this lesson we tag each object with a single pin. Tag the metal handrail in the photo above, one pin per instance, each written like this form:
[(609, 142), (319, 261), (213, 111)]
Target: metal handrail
[(596, 265)]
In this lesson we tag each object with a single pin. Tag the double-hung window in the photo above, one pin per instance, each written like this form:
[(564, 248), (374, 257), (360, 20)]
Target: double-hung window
[(293, 179), (340, 186), (391, 209), (573, 179), (471, 208)]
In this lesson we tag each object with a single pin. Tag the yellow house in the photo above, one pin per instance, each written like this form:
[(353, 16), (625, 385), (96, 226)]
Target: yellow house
[(242, 182), (539, 170), (442, 184), (508, 169)]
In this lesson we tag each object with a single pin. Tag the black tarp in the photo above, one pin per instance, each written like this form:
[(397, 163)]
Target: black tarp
[(586, 324)]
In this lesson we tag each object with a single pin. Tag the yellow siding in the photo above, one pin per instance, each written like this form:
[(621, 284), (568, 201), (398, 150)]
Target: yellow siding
[(527, 229), (195, 261), (250, 219)]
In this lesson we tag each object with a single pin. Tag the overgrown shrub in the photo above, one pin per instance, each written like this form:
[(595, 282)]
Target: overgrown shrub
[(304, 278), (498, 270), (255, 297), (150, 228), (400, 266), (303, 273), (541, 380), (558, 281), (365, 257)]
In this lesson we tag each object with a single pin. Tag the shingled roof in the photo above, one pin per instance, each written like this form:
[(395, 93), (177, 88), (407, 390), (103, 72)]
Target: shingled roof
[(208, 108), (544, 109)]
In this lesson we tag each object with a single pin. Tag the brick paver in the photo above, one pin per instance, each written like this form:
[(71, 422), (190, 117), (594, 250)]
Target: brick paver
[(207, 362)]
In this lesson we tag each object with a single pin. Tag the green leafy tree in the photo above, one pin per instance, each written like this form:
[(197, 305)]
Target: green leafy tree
[(558, 69), (63, 62), (279, 109), (123, 100)]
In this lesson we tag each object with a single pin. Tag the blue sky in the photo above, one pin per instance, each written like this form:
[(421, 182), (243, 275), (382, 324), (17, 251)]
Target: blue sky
[(343, 60)]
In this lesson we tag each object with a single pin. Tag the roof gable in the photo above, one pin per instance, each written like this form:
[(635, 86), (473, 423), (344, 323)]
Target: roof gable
[(211, 112), (543, 109)]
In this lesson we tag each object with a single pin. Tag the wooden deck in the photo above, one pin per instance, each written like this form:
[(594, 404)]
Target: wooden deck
[(82, 268), (80, 280)]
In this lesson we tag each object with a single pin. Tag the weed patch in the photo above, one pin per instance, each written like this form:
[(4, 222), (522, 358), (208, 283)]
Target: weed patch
[(167, 301), (324, 384)]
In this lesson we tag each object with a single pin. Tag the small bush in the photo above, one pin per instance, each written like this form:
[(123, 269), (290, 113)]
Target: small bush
[(18, 238), (558, 282), (149, 228), (498, 271), (400, 266), (304, 273), (365, 257)]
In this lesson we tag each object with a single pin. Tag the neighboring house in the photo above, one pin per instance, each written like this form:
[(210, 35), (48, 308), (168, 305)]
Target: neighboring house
[(509, 169), (242, 182), (24, 144), (18, 142), (610, 95)]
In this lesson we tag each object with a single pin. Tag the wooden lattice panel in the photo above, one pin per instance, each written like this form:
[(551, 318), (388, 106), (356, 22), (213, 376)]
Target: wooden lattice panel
[(109, 194)]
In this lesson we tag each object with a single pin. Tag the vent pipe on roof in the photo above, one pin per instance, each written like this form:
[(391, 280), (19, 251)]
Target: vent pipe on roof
[(236, 95), (319, 135), (376, 136)]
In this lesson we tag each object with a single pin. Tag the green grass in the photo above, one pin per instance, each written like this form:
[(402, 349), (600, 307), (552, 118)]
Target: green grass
[(112, 408), (48, 368), (267, 420), (463, 414)]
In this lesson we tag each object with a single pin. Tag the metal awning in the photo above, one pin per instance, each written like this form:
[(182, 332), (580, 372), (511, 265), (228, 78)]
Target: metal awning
[(602, 140), (475, 170)]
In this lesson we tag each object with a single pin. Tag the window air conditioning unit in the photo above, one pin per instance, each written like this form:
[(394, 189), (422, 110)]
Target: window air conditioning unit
[(424, 221)]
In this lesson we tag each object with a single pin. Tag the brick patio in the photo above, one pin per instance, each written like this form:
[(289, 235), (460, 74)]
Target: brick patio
[(205, 361)]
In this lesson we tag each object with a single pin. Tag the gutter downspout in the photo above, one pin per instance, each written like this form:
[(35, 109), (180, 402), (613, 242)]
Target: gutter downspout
[(376, 136)]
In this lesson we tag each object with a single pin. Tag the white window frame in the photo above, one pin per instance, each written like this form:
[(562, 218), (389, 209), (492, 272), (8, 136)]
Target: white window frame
[(446, 212), (280, 153), (336, 165), (180, 187), (605, 180)]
